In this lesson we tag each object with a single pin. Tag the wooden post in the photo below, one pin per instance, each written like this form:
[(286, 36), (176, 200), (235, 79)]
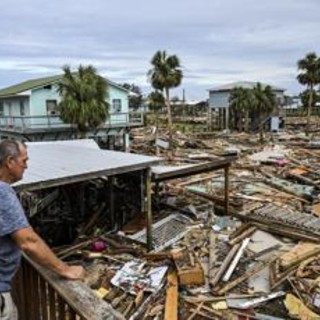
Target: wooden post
[(148, 209), (226, 189), (111, 201), (126, 142), (157, 200), (143, 191), (82, 200)]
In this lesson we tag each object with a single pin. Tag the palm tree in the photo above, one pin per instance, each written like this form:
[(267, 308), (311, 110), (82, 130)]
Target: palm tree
[(84, 97), (309, 76), (240, 102), (156, 101), (264, 103), (165, 74)]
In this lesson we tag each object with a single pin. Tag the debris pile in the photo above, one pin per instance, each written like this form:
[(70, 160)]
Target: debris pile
[(260, 262)]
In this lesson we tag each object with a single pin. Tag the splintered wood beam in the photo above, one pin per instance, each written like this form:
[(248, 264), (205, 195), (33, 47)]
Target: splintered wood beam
[(245, 234), (224, 265), (195, 312), (212, 255), (171, 306), (62, 254), (202, 309), (252, 271), (236, 259)]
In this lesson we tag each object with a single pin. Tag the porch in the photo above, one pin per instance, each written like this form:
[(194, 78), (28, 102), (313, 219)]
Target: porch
[(50, 122)]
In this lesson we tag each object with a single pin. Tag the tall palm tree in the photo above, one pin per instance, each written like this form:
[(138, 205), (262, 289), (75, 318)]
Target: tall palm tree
[(156, 102), (240, 101), (165, 74), (84, 97), (264, 104), (309, 76)]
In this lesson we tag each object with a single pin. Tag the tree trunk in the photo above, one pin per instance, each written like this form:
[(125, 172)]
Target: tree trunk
[(261, 134), (240, 122), (246, 124), (169, 121), (261, 126), (157, 133), (309, 111)]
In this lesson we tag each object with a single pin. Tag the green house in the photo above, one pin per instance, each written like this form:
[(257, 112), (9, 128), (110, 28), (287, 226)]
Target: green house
[(30, 111)]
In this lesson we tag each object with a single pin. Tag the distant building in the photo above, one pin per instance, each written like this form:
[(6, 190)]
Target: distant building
[(30, 111), (293, 102), (219, 96)]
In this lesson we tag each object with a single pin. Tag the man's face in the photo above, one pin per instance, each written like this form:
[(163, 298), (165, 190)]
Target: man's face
[(17, 165)]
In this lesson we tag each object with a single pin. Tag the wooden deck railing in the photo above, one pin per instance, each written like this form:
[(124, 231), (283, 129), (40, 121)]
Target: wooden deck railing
[(41, 295)]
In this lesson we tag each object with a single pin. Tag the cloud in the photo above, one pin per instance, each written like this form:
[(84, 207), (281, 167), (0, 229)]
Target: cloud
[(216, 41)]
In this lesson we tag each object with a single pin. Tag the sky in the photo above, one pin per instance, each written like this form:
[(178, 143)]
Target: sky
[(217, 42)]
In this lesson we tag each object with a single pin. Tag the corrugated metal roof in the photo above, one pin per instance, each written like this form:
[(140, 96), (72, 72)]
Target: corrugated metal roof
[(243, 84), (84, 143), (53, 164)]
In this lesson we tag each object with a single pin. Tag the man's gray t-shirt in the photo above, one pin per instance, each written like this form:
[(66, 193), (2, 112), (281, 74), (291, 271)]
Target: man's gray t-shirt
[(12, 218)]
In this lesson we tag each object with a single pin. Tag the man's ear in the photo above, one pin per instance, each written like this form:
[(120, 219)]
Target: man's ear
[(9, 162)]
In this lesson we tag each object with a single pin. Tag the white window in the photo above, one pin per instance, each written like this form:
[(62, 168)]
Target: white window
[(116, 105), (52, 107)]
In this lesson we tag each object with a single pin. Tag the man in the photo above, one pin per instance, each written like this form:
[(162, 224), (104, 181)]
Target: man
[(15, 232)]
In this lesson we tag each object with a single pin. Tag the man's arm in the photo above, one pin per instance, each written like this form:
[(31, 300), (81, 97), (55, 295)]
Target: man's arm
[(32, 245)]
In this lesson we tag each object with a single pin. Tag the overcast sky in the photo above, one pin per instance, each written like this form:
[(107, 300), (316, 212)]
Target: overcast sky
[(217, 41)]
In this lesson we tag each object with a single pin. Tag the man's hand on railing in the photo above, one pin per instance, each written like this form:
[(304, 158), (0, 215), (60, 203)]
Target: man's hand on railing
[(73, 272)]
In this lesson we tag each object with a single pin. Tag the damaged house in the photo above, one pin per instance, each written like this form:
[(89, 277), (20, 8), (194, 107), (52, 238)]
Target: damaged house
[(29, 111)]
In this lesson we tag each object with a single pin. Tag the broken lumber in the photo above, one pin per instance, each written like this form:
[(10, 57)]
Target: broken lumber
[(171, 305), (189, 268)]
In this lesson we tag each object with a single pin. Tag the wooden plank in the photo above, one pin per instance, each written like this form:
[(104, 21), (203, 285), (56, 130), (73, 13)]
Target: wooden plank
[(226, 190), (252, 271), (61, 309), (224, 266), (52, 304), (213, 165), (316, 209), (171, 305), (299, 253), (212, 255), (44, 299)]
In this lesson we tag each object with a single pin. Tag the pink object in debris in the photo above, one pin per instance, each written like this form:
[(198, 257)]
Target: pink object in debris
[(98, 246), (282, 163)]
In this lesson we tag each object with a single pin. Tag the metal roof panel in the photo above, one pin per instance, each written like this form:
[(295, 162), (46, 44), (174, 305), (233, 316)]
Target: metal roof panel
[(53, 164)]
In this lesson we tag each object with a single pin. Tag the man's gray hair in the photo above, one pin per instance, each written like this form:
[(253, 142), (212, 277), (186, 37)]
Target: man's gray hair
[(9, 148)]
